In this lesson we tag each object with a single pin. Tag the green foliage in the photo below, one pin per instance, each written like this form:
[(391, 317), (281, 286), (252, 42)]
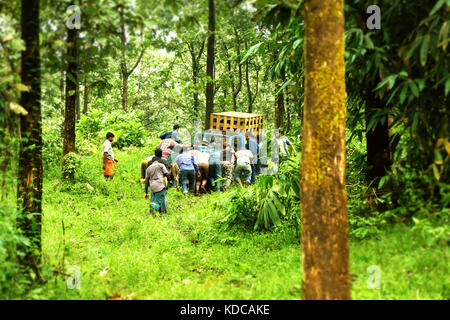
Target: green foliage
[(264, 205), (126, 126), (52, 144), (13, 281), (71, 162), (125, 254)]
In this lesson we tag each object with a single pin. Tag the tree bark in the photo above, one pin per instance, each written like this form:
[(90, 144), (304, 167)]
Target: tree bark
[(62, 91), (71, 94), (239, 84), (210, 64), (247, 81), (377, 139), (29, 187), (279, 109), (125, 91), (196, 71), (123, 64), (325, 247), (77, 102), (85, 97)]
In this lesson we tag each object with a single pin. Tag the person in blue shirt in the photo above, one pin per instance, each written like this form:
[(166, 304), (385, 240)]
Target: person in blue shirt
[(188, 166), (252, 145), (170, 134)]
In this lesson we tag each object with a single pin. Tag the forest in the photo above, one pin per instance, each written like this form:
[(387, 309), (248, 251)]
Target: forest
[(338, 187)]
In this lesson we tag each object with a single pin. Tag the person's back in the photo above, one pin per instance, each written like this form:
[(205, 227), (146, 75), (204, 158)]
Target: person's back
[(203, 157), (244, 156), (155, 173), (186, 164), (154, 178), (166, 143), (186, 161)]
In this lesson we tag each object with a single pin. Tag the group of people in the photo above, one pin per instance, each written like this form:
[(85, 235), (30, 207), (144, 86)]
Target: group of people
[(195, 170)]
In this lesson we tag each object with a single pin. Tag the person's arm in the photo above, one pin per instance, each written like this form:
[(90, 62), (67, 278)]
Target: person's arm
[(293, 149), (289, 143), (147, 183), (194, 163)]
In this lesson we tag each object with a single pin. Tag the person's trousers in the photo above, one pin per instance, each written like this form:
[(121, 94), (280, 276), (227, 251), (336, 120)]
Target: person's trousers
[(253, 177), (203, 173), (243, 172), (174, 173), (110, 168), (227, 173), (215, 171), (187, 176), (158, 201)]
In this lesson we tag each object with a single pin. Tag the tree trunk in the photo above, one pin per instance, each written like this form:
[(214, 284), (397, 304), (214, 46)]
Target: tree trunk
[(62, 91), (86, 97), (29, 187), (71, 95), (377, 139), (288, 114), (247, 81), (125, 92), (210, 65), (325, 247), (279, 109), (77, 102), (239, 85)]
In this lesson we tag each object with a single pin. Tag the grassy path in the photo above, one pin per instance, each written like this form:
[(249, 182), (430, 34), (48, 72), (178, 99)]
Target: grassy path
[(125, 254)]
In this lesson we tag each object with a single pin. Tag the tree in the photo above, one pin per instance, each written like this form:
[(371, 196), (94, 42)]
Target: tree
[(195, 58), (325, 248), (29, 188), (125, 71), (71, 95), (210, 64)]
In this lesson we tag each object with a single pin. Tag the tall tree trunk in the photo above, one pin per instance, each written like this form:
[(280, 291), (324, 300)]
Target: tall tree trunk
[(85, 97), (196, 71), (288, 113), (29, 187), (325, 247), (377, 139), (77, 102), (210, 64), (71, 95), (61, 90), (279, 109), (247, 81), (239, 84), (125, 91)]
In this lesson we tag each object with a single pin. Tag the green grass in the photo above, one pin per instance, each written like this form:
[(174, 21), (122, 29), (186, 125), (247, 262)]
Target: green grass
[(123, 253)]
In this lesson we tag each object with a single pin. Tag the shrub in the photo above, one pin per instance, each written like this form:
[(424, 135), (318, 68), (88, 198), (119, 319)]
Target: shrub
[(126, 126), (12, 279), (271, 200), (70, 165)]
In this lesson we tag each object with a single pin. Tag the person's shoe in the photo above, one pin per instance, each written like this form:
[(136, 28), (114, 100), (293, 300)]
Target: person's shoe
[(203, 189), (197, 194)]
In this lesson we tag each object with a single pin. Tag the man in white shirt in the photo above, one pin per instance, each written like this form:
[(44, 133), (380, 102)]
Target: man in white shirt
[(283, 143), (243, 170), (108, 159)]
